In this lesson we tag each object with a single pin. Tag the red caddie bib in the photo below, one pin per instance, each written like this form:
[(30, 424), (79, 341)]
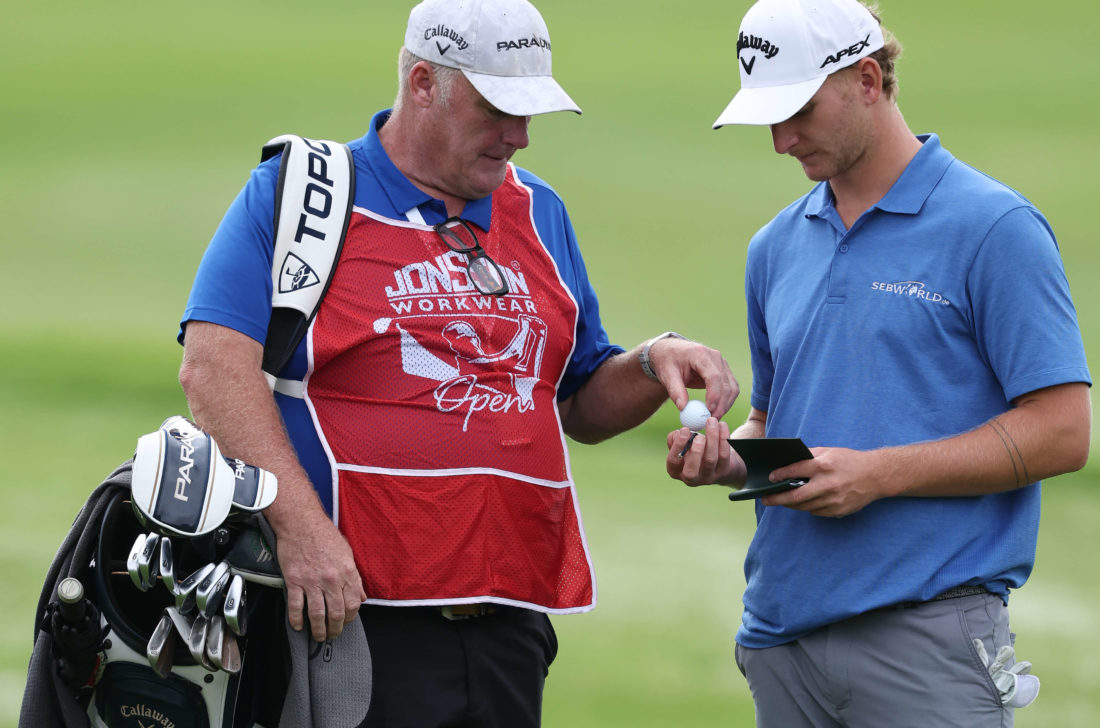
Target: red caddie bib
[(437, 407)]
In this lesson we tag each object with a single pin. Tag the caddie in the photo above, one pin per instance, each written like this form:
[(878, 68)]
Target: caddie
[(418, 430)]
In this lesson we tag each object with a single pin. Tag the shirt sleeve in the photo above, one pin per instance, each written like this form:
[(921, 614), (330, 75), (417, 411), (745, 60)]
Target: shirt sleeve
[(232, 286), (763, 369), (592, 346), (1024, 320)]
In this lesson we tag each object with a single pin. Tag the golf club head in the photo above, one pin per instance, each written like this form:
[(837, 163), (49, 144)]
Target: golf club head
[(133, 559), (147, 565), (183, 623), (234, 606), (215, 633), (162, 646), (232, 659), (185, 594), (211, 590), (222, 647), (196, 642), (167, 565)]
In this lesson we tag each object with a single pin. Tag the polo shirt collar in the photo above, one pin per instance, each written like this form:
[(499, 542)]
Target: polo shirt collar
[(920, 177), (403, 194), (912, 188)]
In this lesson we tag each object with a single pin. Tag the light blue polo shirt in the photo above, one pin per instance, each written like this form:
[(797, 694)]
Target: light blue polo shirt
[(940, 305), (233, 284)]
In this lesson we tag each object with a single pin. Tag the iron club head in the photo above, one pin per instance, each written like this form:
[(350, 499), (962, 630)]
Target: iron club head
[(133, 558), (222, 647), (232, 659), (196, 643), (215, 632), (185, 594), (234, 607), (184, 624), (147, 565), (211, 590), (162, 646)]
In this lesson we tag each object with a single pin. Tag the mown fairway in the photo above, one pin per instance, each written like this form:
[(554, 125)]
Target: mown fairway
[(128, 128)]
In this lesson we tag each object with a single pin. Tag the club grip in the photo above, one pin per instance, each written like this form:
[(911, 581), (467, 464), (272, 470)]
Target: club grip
[(71, 601)]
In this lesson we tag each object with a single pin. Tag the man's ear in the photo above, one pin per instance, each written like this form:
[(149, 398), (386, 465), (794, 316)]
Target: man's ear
[(422, 84), (869, 74)]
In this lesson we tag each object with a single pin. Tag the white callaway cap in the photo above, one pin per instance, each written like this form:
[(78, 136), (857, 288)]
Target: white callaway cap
[(786, 49), (501, 46)]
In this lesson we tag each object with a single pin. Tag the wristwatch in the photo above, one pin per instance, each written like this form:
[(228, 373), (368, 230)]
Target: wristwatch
[(643, 354)]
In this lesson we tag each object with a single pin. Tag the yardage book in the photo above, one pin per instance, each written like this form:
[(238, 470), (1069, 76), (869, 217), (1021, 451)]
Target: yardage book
[(763, 455)]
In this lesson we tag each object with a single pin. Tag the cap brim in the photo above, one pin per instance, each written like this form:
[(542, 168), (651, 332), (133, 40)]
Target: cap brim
[(766, 105), (522, 95)]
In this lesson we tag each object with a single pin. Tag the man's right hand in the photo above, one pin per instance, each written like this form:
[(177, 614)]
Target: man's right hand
[(321, 578), (231, 400)]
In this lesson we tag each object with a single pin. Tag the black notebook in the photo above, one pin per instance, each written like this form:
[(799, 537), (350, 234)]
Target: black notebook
[(762, 455)]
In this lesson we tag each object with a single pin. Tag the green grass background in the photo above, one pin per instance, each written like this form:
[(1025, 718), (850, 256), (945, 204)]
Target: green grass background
[(129, 126)]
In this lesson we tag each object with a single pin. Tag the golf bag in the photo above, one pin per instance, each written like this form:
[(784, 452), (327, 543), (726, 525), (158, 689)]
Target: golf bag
[(120, 642)]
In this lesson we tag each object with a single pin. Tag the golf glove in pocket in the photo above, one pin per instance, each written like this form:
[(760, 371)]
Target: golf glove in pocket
[(1018, 688)]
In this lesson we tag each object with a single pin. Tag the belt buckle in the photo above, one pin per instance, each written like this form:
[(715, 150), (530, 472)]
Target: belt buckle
[(457, 612)]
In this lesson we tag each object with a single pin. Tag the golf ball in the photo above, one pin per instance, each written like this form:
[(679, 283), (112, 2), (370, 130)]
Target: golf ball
[(694, 415)]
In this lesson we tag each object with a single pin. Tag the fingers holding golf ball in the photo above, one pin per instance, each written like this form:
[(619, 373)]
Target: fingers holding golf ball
[(681, 364), (700, 457)]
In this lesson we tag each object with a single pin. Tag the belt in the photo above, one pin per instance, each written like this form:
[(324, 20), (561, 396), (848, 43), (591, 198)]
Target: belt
[(952, 593), (455, 612)]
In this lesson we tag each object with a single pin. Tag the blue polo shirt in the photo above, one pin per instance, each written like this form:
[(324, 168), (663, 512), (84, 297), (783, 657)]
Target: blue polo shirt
[(233, 284), (941, 304)]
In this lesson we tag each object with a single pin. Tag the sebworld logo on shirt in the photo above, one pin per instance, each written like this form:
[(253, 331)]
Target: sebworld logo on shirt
[(913, 289)]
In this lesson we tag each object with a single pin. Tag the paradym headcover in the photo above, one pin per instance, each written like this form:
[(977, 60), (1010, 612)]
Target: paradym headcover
[(255, 487), (182, 485)]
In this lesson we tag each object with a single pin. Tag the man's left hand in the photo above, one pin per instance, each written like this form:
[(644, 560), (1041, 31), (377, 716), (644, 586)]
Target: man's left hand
[(841, 482)]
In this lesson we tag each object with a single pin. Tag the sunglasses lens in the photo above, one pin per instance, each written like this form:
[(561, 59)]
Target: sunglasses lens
[(459, 237), (484, 273), (487, 277)]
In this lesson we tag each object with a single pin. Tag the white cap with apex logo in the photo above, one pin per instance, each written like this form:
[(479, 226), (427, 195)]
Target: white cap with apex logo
[(787, 48), (501, 46)]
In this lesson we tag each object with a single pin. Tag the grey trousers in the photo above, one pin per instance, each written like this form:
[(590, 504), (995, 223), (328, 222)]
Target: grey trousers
[(890, 668)]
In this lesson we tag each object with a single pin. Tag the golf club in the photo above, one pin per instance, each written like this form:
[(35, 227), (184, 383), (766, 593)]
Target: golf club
[(182, 623), (221, 647), (167, 566), (162, 646), (147, 565), (234, 607), (211, 590), (231, 653), (196, 642), (185, 594)]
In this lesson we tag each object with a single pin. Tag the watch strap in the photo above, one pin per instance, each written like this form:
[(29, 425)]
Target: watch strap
[(643, 354)]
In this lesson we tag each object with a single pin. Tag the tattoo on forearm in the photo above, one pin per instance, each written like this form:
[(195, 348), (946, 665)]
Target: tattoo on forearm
[(1019, 468)]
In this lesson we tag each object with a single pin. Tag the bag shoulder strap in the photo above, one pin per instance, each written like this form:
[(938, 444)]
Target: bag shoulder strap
[(313, 201)]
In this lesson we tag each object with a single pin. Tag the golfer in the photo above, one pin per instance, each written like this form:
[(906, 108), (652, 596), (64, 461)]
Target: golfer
[(909, 318)]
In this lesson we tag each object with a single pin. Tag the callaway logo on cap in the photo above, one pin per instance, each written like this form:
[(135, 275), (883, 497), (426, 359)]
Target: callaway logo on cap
[(501, 46), (786, 49)]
